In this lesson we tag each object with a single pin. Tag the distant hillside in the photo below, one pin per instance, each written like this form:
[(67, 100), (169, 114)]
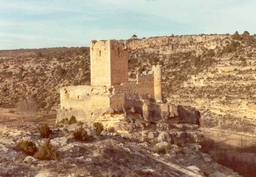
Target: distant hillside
[(214, 73), (40, 73)]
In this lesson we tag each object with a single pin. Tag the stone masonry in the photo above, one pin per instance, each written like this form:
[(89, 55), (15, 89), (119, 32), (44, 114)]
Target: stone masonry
[(110, 91)]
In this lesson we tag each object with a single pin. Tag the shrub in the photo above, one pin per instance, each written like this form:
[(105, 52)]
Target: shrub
[(45, 131), (80, 134), (80, 123), (28, 147), (98, 127), (111, 130), (64, 121), (72, 120), (47, 152), (236, 36)]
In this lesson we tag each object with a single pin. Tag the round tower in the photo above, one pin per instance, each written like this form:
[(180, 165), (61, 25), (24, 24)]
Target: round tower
[(157, 82)]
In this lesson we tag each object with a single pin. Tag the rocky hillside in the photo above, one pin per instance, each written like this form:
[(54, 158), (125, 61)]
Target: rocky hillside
[(77, 149), (39, 73), (214, 73)]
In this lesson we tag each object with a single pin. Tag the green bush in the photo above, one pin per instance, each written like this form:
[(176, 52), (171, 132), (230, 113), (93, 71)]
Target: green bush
[(47, 152), (80, 134), (28, 147), (45, 131), (98, 127)]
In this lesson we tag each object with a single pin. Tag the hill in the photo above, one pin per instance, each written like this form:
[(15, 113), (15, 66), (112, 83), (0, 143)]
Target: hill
[(214, 73)]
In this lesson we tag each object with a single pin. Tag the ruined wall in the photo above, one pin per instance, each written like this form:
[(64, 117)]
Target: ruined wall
[(158, 111), (82, 92), (100, 62), (119, 62), (99, 103), (137, 104), (128, 87), (81, 101), (76, 104), (146, 84), (117, 102)]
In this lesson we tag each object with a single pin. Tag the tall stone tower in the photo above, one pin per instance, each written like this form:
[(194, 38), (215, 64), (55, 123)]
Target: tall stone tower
[(157, 82), (109, 62)]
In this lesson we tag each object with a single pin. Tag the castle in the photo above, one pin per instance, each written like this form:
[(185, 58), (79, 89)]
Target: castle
[(110, 91)]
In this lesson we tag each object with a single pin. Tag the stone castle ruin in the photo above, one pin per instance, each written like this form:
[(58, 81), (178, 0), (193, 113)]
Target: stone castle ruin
[(111, 91)]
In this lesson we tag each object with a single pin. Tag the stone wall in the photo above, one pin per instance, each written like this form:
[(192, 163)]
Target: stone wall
[(146, 84), (117, 102), (109, 62), (119, 62), (81, 92), (99, 104), (100, 63), (158, 111)]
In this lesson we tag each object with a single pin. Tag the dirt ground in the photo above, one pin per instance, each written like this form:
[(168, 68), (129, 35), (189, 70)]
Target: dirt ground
[(9, 117)]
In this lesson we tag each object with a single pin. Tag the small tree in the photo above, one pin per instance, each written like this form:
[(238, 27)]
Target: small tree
[(80, 134), (246, 34), (236, 36), (47, 152), (27, 107), (134, 36)]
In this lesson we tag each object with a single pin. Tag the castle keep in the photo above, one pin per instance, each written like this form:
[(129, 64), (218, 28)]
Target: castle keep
[(110, 91)]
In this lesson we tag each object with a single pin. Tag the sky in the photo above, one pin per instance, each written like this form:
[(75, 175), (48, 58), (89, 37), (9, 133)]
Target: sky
[(74, 23)]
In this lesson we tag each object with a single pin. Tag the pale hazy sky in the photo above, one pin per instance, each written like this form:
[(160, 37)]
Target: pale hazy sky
[(58, 23)]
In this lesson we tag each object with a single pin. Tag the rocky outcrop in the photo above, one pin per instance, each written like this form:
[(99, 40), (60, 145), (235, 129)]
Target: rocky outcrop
[(111, 154), (187, 114)]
